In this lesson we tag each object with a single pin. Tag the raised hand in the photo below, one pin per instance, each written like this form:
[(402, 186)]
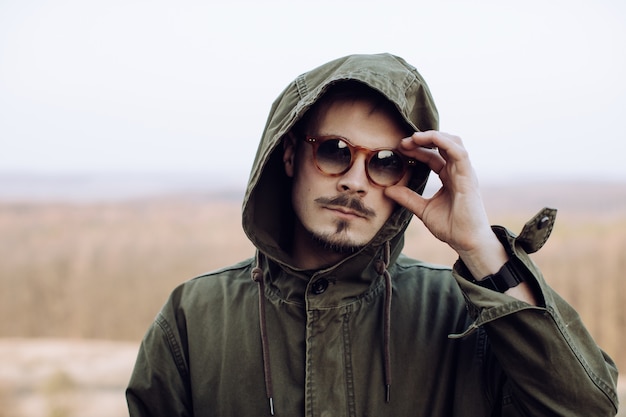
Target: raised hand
[(455, 214)]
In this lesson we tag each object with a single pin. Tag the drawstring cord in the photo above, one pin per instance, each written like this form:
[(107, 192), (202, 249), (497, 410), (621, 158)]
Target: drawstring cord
[(257, 276), (381, 268)]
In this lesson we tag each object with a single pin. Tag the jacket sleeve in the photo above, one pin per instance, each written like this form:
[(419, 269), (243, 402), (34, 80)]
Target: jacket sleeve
[(551, 363), (159, 382)]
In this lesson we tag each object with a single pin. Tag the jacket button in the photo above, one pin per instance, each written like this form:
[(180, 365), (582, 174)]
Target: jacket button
[(319, 286)]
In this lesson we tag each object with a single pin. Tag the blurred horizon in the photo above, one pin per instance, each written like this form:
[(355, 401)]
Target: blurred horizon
[(94, 186)]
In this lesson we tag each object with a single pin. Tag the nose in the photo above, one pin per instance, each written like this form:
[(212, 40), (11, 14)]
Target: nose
[(355, 180)]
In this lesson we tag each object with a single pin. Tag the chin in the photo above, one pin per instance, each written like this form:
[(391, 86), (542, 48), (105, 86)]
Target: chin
[(338, 242)]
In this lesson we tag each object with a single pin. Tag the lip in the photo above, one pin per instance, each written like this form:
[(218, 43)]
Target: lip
[(344, 212)]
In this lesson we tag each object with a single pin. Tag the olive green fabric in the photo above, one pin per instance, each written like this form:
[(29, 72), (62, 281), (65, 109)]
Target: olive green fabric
[(456, 349)]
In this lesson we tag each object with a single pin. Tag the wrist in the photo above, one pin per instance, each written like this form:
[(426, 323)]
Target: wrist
[(498, 270), (487, 258)]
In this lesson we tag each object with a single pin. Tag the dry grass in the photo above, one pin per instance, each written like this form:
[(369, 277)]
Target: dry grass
[(103, 270)]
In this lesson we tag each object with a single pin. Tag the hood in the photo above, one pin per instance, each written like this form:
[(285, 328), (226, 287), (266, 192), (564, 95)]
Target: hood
[(267, 213)]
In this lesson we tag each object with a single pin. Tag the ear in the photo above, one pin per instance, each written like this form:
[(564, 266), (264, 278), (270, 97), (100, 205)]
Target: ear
[(289, 154)]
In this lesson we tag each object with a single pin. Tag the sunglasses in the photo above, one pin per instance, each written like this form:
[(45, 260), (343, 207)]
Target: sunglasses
[(334, 156)]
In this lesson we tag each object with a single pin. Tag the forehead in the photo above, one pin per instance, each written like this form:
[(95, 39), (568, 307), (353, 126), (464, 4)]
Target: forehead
[(362, 122)]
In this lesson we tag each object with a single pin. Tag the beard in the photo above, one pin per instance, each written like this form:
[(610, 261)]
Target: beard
[(338, 241)]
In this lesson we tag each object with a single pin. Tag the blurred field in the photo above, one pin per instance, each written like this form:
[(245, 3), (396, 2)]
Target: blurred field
[(64, 377), (101, 270)]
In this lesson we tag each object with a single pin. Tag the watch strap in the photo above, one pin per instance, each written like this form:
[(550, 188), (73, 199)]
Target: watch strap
[(507, 277)]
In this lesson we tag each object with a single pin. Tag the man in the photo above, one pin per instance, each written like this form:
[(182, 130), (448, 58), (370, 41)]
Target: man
[(329, 319)]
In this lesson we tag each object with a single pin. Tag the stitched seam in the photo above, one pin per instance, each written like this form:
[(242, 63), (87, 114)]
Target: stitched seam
[(302, 86), (175, 348), (311, 320), (602, 386), (347, 349)]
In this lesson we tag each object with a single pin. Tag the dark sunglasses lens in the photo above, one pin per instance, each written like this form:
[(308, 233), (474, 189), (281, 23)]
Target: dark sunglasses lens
[(386, 167), (333, 156)]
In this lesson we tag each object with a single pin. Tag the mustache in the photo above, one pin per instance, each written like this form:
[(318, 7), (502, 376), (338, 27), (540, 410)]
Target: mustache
[(353, 203)]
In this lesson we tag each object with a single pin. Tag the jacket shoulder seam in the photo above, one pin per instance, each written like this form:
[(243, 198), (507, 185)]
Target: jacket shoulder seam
[(235, 267)]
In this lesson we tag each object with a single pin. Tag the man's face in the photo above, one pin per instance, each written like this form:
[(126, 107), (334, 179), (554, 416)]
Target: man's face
[(342, 212)]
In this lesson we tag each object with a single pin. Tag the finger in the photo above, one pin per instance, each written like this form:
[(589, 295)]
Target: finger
[(420, 140), (448, 145), (433, 158), (419, 146), (407, 198)]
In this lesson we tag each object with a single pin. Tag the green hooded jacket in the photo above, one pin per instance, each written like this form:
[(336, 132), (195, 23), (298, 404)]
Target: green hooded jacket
[(377, 334)]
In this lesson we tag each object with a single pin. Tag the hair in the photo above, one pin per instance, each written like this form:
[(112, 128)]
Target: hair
[(349, 91)]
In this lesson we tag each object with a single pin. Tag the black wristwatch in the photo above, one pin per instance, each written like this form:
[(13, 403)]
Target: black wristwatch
[(507, 277)]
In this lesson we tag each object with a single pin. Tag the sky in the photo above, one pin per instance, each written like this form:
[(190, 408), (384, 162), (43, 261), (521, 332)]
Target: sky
[(536, 89)]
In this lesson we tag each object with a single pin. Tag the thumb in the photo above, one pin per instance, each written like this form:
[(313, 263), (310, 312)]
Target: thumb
[(407, 198)]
